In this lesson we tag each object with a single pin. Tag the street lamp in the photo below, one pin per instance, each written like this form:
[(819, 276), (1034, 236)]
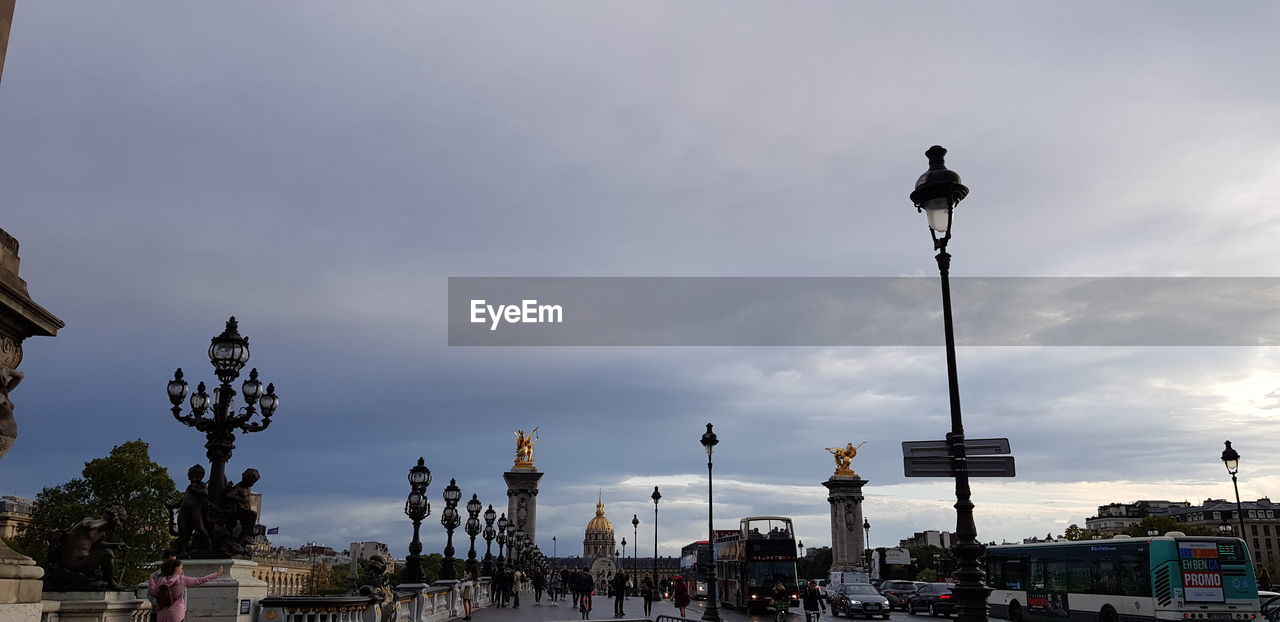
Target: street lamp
[(937, 193), (1231, 458), (553, 547), (635, 529), (866, 541), (416, 507), (473, 529), (502, 536), (489, 533), (1153, 532), (624, 550), (1225, 528), (655, 496), (712, 613), (450, 519), (228, 352)]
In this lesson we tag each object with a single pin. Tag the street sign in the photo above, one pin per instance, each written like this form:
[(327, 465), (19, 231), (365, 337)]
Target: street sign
[(972, 447), (940, 466)]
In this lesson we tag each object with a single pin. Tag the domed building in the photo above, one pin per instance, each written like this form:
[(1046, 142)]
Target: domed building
[(599, 540)]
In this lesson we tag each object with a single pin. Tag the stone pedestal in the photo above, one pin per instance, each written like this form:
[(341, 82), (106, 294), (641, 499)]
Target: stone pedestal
[(221, 600), (847, 542), (20, 587), (96, 607), (522, 498)]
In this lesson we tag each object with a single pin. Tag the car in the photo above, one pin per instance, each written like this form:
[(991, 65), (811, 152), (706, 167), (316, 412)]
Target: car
[(897, 592), (824, 586), (861, 599), (935, 598)]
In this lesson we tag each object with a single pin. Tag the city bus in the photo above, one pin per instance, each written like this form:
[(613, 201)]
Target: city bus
[(753, 559), (695, 567), (1169, 577)]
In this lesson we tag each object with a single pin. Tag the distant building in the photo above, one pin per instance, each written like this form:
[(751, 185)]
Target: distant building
[(1261, 524), (1116, 517), (599, 541), (940, 539), (15, 515), (366, 550)]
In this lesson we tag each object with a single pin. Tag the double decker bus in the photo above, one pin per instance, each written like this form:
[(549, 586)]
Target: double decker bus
[(751, 560), (1169, 577), (695, 567)]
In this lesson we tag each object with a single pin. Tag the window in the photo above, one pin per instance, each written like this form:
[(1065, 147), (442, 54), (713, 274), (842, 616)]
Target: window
[(1266, 530), (1255, 530), (1217, 515)]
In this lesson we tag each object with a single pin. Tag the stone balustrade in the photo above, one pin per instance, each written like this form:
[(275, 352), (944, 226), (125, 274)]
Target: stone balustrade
[(413, 603)]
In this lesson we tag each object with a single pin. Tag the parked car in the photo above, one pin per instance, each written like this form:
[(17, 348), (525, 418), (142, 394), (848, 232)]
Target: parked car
[(934, 598), (824, 586), (897, 592), (860, 599)]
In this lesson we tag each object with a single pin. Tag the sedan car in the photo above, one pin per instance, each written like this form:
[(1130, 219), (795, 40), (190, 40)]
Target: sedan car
[(897, 592), (860, 599), (934, 598)]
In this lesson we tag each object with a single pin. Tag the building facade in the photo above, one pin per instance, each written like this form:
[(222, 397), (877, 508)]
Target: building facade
[(366, 550), (599, 540), (15, 515), (940, 539), (1261, 525), (1116, 517)]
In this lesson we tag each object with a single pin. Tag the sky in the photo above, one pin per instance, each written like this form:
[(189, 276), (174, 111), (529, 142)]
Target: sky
[(320, 169)]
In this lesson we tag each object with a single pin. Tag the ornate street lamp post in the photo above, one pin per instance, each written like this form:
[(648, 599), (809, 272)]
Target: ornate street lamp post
[(489, 533), (1225, 528), (937, 193), (416, 507), (553, 547), (1231, 458), (515, 552), (228, 352), (655, 496), (712, 613), (635, 529), (624, 550), (866, 541), (473, 529), (502, 536), (450, 520)]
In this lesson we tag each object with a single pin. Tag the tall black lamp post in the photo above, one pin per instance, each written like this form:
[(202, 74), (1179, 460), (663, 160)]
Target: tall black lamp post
[(228, 352), (473, 529), (416, 507), (489, 533), (1231, 458), (655, 496), (635, 530), (866, 541), (624, 549), (712, 612), (937, 193), (450, 520), (554, 553), (502, 536)]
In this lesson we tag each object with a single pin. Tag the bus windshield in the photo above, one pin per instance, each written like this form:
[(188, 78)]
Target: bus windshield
[(766, 574)]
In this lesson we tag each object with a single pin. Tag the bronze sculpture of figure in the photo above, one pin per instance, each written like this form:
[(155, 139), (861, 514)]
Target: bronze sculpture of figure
[(85, 559), (844, 456), (524, 447), (239, 504), (9, 380), (191, 512)]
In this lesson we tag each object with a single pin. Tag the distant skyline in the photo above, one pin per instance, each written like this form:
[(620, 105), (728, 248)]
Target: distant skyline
[(320, 170)]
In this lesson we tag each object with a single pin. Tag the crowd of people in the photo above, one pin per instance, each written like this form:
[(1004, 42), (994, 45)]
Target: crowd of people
[(580, 588)]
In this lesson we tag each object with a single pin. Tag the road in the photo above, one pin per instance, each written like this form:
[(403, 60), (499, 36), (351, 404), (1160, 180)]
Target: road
[(634, 608)]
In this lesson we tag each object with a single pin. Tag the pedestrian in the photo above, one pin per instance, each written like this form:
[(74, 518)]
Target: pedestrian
[(812, 599), (170, 590), (680, 595), (504, 586), (168, 555), (468, 593), (539, 582), (646, 592), (619, 586), (566, 583), (585, 589), (517, 577)]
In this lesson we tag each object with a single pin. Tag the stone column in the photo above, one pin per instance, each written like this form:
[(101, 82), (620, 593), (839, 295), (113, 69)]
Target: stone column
[(20, 317), (847, 544), (224, 599), (522, 498)]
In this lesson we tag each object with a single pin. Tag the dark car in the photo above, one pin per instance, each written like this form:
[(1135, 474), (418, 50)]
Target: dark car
[(860, 599), (897, 592), (934, 598)]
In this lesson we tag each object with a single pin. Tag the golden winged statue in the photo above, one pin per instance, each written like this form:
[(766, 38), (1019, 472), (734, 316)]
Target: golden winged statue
[(844, 455), (524, 448)]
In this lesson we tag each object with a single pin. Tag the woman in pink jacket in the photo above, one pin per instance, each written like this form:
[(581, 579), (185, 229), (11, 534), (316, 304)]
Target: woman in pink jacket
[(171, 580)]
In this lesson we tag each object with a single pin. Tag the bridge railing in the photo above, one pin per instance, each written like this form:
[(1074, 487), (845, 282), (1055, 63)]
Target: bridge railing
[(412, 603)]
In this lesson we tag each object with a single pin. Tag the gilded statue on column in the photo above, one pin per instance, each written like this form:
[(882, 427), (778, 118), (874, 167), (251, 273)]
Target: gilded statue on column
[(844, 456), (524, 448)]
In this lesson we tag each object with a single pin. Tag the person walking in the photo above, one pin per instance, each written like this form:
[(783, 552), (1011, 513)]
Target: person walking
[(812, 600), (517, 582), (680, 595), (468, 593), (169, 590), (646, 592), (585, 588), (539, 582), (504, 586), (619, 586)]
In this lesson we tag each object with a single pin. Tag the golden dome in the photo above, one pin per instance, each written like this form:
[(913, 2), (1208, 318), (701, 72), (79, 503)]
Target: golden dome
[(600, 524)]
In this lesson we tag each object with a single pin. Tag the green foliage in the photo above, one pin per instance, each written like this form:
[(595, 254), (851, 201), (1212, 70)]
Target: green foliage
[(928, 574), (816, 567), (127, 478), (1164, 524)]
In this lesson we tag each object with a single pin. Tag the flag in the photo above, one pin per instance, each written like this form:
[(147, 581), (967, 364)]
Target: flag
[(273, 531)]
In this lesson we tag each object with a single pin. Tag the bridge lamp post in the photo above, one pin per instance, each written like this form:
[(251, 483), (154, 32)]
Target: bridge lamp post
[(416, 507), (450, 520), (489, 533), (712, 613)]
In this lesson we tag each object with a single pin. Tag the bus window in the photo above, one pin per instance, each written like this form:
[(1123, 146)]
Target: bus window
[(1134, 576)]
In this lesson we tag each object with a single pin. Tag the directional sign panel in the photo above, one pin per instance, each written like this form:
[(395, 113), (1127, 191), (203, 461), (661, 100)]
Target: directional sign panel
[(972, 447), (940, 466)]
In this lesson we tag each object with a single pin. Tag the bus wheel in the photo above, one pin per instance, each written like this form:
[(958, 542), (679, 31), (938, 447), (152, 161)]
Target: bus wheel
[(1108, 615), (1015, 611)]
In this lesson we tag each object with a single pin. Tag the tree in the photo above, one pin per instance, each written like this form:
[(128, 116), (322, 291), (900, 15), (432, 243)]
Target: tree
[(126, 478), (818, 566), (1164, 524)]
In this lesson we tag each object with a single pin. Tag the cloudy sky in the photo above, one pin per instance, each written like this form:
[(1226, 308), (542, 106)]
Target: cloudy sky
[(320, 169)]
